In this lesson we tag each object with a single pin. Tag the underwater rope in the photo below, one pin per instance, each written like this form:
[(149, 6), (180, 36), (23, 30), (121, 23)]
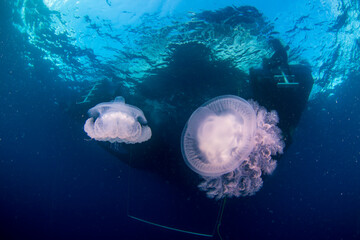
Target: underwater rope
[(152, 223), (220, 217)]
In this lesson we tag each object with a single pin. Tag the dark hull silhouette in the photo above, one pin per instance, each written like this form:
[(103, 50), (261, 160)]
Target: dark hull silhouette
[(171, 94)]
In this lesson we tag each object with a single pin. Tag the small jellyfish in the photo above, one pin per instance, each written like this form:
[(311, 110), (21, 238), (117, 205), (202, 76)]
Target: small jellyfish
[(229, 142), (219, 135), (117, 122)]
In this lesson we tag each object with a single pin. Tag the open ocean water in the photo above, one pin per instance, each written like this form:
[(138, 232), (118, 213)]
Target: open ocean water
[(56, 183)]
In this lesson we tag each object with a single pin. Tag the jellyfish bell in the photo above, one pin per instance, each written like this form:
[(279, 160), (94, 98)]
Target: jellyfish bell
[(219, 136), (117, 122)]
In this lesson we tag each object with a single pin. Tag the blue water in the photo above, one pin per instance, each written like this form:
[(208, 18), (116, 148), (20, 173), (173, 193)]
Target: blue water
[(56, 185)]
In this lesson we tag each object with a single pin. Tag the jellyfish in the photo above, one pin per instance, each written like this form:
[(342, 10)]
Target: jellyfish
[(117, 122), (230, 142)]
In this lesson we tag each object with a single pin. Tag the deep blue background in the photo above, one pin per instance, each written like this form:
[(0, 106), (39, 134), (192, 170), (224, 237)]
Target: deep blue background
[(55, 185)]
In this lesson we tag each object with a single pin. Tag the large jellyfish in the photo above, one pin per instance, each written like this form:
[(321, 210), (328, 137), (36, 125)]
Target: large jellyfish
[(117, 122), (230, 143)]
